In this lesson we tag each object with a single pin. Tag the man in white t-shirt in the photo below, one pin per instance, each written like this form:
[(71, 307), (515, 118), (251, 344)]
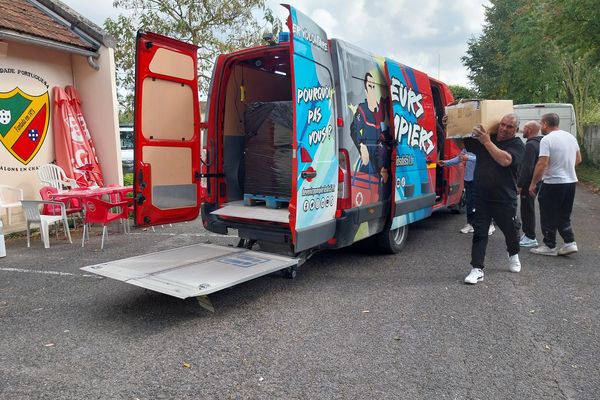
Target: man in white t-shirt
[(559, 154)]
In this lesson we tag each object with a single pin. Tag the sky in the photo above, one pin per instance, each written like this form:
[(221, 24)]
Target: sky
[(429, 35)]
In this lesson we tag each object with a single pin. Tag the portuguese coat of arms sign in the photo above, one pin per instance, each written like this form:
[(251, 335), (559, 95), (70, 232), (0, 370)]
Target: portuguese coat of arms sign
[(23, 123)]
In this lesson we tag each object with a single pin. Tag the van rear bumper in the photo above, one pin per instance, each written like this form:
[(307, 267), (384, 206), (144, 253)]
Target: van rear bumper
[(256, 231)]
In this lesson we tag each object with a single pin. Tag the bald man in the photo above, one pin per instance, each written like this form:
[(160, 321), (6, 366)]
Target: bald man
[(531, 132), (495, 179)]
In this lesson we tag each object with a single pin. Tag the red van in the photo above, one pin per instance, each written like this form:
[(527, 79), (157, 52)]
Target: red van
[(310, 143)]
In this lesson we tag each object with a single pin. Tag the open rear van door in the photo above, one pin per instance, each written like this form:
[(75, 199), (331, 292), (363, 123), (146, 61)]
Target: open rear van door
[(413, 124), (315, 159), (167, 131)]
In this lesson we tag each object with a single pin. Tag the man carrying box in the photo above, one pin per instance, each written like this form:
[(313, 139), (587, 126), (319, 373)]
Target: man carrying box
[(495, 177)]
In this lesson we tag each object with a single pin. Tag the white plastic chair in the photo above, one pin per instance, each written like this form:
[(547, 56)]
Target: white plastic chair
[(33, 216), (10, 197), (53, 175)]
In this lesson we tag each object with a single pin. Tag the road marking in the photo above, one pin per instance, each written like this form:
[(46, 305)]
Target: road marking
[(33, 271)]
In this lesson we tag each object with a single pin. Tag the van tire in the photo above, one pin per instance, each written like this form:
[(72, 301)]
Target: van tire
[(392, 241)]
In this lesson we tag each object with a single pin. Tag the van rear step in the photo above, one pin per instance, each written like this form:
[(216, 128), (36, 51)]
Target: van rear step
[(269, 201)]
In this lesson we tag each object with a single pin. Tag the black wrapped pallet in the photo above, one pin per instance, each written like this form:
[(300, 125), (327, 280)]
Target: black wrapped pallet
[(268, 149)]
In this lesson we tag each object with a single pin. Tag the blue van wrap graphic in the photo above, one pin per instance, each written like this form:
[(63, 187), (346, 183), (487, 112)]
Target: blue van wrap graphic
[(413, 141), (316, 196)]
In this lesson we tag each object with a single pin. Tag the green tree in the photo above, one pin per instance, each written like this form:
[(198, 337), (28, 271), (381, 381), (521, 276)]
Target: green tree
[(487, 55), (215, 26), (578, 25), (463, 92), (532, 70), (536, 51)]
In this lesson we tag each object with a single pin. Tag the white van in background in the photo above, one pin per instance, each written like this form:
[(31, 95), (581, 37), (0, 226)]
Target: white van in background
[(126, 132), (533, 112)]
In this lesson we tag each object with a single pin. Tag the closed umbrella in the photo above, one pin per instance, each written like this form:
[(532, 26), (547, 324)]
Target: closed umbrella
[(72, 154), (94, 170)]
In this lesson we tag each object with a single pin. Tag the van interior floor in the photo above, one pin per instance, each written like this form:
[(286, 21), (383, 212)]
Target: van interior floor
[(237, 209)]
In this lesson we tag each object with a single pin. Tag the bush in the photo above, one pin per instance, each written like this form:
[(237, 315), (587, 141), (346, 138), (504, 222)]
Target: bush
[(591, 116), (128, 179), (589, 174)]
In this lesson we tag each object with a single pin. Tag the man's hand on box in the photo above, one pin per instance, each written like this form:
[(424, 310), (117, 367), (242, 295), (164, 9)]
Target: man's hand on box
[(445, 120), (480, 134)]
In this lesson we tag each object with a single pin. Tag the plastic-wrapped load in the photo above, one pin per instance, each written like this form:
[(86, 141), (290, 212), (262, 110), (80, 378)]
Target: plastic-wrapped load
[(268, 149)]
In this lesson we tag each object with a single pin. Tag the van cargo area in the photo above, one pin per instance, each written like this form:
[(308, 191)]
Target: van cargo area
[(257, 128)]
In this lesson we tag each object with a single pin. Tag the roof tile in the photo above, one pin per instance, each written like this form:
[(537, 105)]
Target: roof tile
[(23, 17)]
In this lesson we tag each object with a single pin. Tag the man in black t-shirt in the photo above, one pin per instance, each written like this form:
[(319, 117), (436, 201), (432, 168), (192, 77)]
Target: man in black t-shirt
[(496, 173)]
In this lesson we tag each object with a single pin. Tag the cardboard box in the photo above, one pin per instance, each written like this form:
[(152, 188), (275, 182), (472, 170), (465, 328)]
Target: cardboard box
[(463, 116)]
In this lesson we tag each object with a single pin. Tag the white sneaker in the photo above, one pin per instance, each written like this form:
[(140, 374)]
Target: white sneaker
[(527, 242), (476, 275), (468, 228), (514, 265), (568, 248), (492, 229), (544, 250)]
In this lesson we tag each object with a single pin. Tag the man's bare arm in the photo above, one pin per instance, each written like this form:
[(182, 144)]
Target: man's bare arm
[(500, 156), (578, 158), (540, 167)]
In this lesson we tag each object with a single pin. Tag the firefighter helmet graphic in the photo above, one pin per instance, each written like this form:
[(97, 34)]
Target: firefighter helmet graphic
[(23, 123), (5, 117)]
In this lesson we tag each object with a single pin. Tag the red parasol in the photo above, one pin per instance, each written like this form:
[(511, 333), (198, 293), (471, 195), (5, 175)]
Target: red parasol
[(92, 168)]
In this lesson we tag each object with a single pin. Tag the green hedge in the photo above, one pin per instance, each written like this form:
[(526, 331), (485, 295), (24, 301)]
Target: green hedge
[(128, 179)]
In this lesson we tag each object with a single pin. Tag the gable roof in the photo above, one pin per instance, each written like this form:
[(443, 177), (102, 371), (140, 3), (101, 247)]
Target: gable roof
[(50, 21)]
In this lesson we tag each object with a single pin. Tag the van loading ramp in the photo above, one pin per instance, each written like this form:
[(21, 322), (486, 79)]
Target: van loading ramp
[(193, 271)]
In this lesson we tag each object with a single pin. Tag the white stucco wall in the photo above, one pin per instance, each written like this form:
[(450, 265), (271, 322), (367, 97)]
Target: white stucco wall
[(44, 69), (55, 69), (97, 90)]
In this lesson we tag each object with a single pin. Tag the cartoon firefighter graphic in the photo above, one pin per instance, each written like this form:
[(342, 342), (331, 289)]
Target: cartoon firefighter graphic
[(370, 133)]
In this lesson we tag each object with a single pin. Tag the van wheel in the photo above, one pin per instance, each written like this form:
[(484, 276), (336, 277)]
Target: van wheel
[(392, 241)]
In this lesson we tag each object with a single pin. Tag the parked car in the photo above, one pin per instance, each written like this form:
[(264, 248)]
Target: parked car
[(126, 132)]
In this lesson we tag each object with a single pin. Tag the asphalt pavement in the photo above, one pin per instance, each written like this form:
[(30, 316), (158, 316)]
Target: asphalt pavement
[(352, 325)]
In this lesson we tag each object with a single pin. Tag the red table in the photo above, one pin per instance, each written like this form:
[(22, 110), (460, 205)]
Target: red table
[(83, 193)]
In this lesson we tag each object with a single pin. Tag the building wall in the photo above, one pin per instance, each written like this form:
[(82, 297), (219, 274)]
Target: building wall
[(53, 69), (97, 90), (36, 70), (592, 143)]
